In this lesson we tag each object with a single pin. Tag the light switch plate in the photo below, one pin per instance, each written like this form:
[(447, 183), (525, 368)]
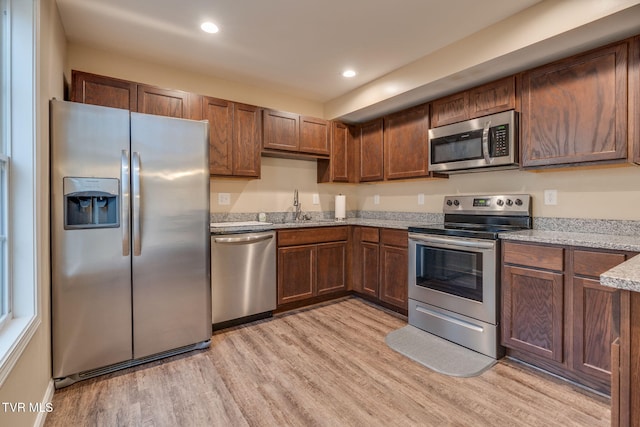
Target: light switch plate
[(376, 199), (421, 198), (224, 198), (550, 197), (316, 199)]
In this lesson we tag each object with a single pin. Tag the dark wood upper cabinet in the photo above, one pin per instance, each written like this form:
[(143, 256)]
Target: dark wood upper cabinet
[(494, 97), (315, 136), (247, 140), (93, 89), (575, 110), (489, 98), (405, 143), (280, 130), (341, 153), (634, 99), (219, 113), (450, 109), (163, 102), (234, 138), (370, 151)]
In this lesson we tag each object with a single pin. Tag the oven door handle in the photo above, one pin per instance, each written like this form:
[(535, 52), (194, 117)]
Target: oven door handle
[(452, 241)]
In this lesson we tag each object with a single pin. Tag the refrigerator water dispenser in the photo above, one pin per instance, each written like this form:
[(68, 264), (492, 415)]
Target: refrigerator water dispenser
[(91, 203)]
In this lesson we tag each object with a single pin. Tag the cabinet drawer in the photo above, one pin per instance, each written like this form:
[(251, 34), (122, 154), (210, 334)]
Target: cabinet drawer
[(369, 234), (307, 236), (589, 263), (393, 237), (546, 257)]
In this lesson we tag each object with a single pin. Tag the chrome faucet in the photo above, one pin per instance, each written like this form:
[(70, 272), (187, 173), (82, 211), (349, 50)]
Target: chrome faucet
[(297, 205)]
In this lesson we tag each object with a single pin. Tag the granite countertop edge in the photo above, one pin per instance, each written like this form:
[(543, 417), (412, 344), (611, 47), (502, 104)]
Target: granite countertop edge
[(384, 223), (623, 276)]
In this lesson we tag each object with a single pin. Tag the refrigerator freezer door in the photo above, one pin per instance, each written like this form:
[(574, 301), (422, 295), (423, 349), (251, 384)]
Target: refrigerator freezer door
[(170, 191), (90, 275)]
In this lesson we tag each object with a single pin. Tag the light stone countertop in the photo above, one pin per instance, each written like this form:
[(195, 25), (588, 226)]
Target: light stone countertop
[(383, 223), (624, 276)]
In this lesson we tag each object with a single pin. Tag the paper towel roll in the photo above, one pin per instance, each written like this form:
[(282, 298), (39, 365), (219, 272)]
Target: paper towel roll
[(341, 203)]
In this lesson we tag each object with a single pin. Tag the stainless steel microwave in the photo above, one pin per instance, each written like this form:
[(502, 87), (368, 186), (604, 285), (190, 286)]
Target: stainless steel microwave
[(489, 142)]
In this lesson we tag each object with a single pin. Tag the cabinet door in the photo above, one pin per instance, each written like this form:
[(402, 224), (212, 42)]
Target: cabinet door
[(315, 136), (634, 98), (532, 311), (105, 91), (596, 316), (491, 98), (280, 130), (371, 151), (331, 267), (394, 276), (219, 112), (296, 273), (370, 268), (163, 102), (451, 109), (405, 143), (340, 152), (575, 110), (247, 140)]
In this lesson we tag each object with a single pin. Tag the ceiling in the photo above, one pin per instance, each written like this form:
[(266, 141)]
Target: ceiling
[(296, 47)]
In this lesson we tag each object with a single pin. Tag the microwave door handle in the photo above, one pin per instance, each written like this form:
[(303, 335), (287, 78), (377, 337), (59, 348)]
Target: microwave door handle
[(485, 142)]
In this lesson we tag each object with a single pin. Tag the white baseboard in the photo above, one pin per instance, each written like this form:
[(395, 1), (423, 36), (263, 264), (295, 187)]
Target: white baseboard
[(46, 401)]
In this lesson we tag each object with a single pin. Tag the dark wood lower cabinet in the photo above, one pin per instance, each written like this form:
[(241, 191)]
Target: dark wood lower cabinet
[(296, 273), (557, 316), (596, 316), (532, 313), (369, 269), (381, 265), (331, 272), (312, 262)]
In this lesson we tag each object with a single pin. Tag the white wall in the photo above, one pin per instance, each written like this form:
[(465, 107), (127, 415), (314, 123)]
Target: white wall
[(30, 378)]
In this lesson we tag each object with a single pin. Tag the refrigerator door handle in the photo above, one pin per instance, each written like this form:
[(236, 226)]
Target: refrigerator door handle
[(124, 197), (135, 187)]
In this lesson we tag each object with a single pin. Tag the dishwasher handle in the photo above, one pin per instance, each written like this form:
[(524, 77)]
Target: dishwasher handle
[(252, 238)]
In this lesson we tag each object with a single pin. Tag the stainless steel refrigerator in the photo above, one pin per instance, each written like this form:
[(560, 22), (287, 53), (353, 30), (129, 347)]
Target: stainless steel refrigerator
[(129, 238)]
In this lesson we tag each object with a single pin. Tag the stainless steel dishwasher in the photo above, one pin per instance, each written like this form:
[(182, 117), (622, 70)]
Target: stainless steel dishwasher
[(243, 277)]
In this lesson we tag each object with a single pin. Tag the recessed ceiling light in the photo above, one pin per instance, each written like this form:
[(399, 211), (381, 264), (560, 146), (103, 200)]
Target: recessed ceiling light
[(209, 27), (348, 73)]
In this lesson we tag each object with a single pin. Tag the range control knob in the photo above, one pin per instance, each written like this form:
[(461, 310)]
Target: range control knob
[(456, 203), (518, 202), (500, 202), (509, 202), (449, 202)]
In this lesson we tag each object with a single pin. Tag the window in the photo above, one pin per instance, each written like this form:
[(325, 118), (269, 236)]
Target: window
[(5, 298), (19, 181)]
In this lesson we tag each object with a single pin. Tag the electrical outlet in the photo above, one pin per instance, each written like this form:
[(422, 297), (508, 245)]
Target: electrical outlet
[(316, 199), (550, 197), (376, 199), (421, 198), (224, 198)]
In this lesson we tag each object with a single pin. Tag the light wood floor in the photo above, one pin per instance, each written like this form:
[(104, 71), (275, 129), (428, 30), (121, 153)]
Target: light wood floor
[(324, 366)]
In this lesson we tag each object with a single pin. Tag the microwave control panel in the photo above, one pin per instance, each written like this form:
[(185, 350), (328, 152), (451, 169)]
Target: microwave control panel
[(499, 141)]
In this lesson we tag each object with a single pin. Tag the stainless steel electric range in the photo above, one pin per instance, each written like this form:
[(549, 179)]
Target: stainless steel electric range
[(454, 269)]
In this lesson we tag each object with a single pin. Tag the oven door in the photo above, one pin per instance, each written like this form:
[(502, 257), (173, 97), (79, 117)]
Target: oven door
[(454, 273)]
